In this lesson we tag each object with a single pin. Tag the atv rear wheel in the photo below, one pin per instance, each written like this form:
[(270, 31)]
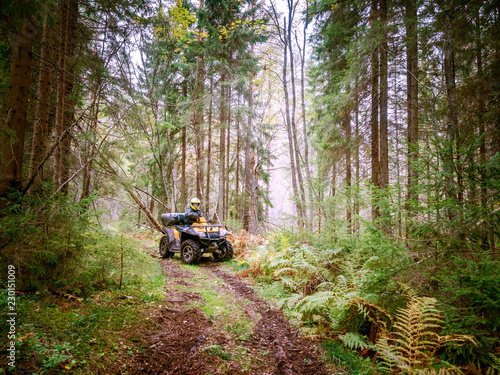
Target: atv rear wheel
[(164, 248), (190, 251), (224, 252)]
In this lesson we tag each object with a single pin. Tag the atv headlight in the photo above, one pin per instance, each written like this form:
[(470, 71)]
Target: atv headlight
[(202, 234), (223, 232)]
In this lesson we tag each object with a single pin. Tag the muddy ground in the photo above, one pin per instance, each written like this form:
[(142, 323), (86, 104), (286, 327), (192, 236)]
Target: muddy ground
[(248, 337)]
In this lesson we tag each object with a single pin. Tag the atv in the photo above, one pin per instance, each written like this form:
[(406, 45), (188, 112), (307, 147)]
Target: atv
[(191, 241)]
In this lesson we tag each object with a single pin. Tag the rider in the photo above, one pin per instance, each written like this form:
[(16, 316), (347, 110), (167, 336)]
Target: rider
[(193, 211)]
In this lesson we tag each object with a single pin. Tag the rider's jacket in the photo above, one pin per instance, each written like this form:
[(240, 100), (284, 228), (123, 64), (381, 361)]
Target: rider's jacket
[(192, 215)]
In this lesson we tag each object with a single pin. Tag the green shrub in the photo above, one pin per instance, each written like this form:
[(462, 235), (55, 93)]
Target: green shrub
[(54, 242)]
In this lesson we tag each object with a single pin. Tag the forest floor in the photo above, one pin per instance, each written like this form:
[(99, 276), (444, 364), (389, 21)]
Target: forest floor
[(213, 322), (166, 318)]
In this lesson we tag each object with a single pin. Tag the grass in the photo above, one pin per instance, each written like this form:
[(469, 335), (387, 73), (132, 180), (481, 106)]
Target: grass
[(218, 304), (73, 334), (227, 313)]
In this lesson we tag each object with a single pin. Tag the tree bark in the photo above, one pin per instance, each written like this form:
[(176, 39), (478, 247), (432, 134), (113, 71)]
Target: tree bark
[(255, 164), (412, 96), (41, 124), (222, 147), (239, 208), (289, 129), (254, 216), (384, 138), (451, 91), (248, 163), (303, 102), (14, 127), (61, 80), (375, 144), (209, 152), (228, 150), (184, 198), (480, 105), (357, 161), (65, 104), (348, 173), (300, 180)]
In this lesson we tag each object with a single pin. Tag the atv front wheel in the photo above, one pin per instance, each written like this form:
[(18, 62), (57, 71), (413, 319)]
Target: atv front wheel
[(190, 251), (224, 252), (164, 247)]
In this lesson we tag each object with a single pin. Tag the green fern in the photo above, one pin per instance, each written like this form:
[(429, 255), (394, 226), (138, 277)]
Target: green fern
[(355, 341), (495, 361)]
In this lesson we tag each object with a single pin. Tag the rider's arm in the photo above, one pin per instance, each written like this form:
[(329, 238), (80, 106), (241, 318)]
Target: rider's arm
[(192, 215)]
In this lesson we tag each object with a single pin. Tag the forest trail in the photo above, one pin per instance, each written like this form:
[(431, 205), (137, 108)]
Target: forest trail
[(214, 323)]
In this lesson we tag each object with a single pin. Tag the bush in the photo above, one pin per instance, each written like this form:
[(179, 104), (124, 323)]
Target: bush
[(53, 242)]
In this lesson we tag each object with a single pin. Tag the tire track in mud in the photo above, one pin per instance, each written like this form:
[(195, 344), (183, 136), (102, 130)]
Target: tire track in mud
[(173, 348), (273, 331)]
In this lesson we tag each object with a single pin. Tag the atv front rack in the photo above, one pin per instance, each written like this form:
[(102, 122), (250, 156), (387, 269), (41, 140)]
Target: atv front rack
[(207, 231)]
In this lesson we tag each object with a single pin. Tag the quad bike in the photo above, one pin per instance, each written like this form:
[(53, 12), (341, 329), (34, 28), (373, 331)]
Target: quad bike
[(191, 241)]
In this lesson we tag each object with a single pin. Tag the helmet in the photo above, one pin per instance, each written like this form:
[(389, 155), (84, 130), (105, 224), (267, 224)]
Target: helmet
[(195, 201)]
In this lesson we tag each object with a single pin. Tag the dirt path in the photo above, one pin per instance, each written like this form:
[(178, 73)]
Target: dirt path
[(214, 323)]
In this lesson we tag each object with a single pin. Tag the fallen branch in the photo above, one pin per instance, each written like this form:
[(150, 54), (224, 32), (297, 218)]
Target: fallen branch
[(143, 208), (153, 197)]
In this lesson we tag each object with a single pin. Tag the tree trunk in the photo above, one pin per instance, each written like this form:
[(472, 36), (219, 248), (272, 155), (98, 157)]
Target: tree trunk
[(69, 101), (239, 209), (61, 86), (184, 197), (384, 141), (412, 96), (348, 172), (247, 195), (65, 112), (333, 190), (90, 144), (289, 130), (254, 216), (481, 106), (374, 115), (300, 180), (209, 152), (197, 118), (228, 149), (11, 169), (303, 102), (222, 147), (356, 157), (452, 115), (41, 124)]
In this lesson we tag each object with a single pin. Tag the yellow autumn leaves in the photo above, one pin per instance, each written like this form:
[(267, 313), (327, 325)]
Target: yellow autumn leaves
[(176, 25)]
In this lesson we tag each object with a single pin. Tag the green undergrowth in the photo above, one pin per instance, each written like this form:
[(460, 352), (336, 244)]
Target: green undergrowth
[(67, 330), (352, 290)]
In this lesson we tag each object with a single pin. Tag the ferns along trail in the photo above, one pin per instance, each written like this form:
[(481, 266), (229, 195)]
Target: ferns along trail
[(250, 187)]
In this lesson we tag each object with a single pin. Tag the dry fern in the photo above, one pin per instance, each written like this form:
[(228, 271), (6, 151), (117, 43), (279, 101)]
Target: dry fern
[(411, 346)]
